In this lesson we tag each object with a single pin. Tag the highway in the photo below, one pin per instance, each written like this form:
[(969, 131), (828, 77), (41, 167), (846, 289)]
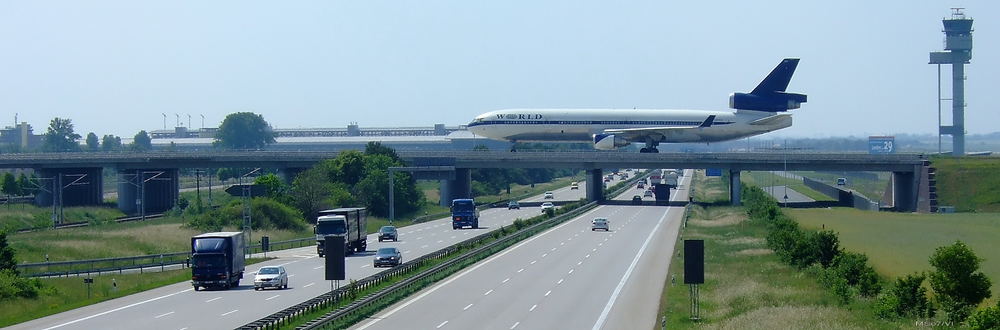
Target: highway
[(568, 277), (178, 306)]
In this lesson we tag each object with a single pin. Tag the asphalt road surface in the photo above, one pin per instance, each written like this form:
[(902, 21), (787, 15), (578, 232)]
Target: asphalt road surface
[(568, 277), (779, 193), (178, 306)]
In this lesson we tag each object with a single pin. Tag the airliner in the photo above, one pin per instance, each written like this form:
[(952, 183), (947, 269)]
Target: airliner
[(762, 110)]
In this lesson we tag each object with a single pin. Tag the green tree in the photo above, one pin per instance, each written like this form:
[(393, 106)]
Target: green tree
[(60, 136), (244, 130), (986, 318), (92, 143), (376, 148), (311, 192), (142, 142), (7, 260), (10, 186), (957, 283), (24, 186), (275, 188), (111, 143)]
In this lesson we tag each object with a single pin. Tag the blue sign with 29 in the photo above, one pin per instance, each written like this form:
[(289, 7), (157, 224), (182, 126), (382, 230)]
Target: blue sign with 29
[(878, 145)]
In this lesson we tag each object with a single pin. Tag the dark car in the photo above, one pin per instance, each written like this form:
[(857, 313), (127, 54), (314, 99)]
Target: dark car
[(387, 233), (387, 257), (513, 205), (636, 200)]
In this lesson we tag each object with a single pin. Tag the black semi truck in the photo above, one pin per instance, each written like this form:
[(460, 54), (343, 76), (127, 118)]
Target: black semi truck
[(350, 222), (217, 260)]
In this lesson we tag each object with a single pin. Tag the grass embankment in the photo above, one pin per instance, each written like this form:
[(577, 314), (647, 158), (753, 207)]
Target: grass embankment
[(767, 179), (15, 217), (873, 189), (971, 184), (63, 294), (901, 243), (746, 285)]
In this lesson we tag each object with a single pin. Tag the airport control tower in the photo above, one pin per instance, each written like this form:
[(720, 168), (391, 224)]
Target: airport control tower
[(958, 52)]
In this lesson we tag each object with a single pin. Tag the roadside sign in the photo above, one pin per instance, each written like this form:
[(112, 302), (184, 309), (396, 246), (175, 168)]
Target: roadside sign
[(713, 172), (879, 145)]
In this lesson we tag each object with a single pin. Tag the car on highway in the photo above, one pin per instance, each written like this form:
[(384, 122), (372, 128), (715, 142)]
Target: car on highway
[(648, 193), (640, 185), (599, 224), (546, 206), (636, 200), (574, 186), (387, 257), (270, 277), (387, 233), (549, 195), (841, 181), (513, 205)]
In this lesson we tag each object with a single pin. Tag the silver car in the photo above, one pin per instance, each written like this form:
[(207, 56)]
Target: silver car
[(271, 277), (599, 224)]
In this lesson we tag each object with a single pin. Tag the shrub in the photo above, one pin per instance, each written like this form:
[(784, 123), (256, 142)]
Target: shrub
[(986, 318), (956, 281), (14, 286), (910, 297), (828, 247)]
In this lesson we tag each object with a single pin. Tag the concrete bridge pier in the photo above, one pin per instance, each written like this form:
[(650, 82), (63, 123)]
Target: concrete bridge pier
[(158, 189), (595, 185), (459, 187), (904, 191), (80, 186), (734, 187)]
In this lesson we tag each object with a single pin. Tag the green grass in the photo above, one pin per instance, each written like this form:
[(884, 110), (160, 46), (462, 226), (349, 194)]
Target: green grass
[(15, 217), (901, 243), (765, 179), (746, 285), (971, 184), (520, 191), (873, 189), (66, 293)]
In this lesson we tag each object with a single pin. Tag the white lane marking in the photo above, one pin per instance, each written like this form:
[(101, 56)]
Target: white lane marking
[(442, 324), (570, 272), (363, 266), (407, 251), (560, 281), (118, 309), (184, 328), (467, 307), (587, 256), (607, 308), (318, 267), (213, 299), (421, 237), (440, 241), (308, 285), (544, 254), (547, 293), (488, 292), (453, 237), (579, 262), (533, 308), (162, 315), (423, 246), (553, 249), (229, 312), (505, 280), (593, 250), (515, 325), (462, 274), (533, 262), (562, 243), (520, 270)]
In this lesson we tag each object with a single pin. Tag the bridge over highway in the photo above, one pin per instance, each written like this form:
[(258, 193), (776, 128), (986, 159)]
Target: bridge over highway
[(156, 172)]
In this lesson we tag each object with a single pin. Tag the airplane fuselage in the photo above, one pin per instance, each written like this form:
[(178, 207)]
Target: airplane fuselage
[(580, 125)]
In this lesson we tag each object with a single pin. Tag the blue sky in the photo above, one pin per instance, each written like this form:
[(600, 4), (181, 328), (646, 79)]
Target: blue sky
[(114, 67)]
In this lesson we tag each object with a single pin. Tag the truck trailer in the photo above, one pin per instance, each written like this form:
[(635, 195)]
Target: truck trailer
[(350, 222), (464, 213), (217, 260)]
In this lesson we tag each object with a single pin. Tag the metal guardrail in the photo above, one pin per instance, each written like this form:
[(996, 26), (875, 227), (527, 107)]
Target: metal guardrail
[(338, 295), (120, 265), (334, 297)]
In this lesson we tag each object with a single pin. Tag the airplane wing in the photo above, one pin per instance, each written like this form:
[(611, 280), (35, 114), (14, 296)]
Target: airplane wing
[(634, 133)]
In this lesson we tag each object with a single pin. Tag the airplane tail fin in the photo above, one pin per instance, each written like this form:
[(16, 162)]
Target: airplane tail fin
[(770, 94)]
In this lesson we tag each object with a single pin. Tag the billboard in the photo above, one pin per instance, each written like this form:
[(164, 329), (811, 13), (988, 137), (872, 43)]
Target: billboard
[(879, 145)]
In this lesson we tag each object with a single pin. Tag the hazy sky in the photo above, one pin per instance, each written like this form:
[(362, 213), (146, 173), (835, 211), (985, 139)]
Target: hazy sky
[(114, 67)]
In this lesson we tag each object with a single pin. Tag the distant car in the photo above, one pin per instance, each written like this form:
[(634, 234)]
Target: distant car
[(387, 233), (640, 185), (574, 186), (388, 257), (599, 224), (513, 205), (549, 195), (270, 277), (546, 206), (648, 193), (636, 200), (841, 181)]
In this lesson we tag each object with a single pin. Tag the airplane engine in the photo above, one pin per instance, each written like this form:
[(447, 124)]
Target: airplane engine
[(777, 101), (608, 142)]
